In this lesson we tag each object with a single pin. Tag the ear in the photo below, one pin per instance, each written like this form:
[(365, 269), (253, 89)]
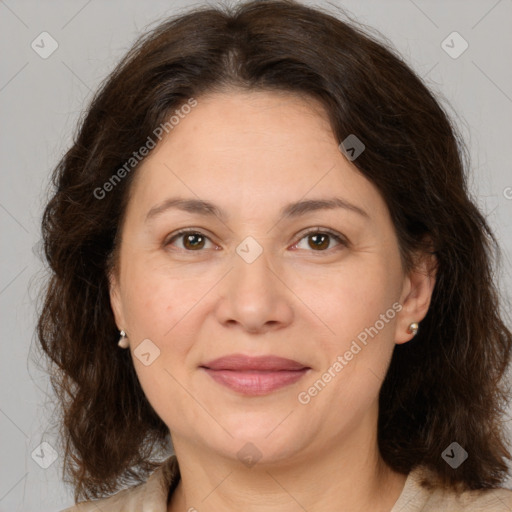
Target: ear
[(416, 295), (115, 299)]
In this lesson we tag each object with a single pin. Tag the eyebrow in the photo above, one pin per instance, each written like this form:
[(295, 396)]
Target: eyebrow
[(292, 210)]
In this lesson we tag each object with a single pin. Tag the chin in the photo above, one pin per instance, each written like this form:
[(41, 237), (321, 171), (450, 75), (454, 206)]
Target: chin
[(258, 444)]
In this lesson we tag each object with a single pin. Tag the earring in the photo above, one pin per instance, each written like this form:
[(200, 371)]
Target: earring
[(123, 340), (413, 328)]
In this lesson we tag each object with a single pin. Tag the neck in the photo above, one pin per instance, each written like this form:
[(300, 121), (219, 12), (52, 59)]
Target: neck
[(338, 476), (335, 476)]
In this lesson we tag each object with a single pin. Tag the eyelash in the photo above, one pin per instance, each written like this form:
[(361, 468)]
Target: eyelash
[(187, 231)]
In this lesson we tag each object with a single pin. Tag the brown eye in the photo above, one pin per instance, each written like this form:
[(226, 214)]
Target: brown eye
[(193, 241), (320, 241), (190, 241)]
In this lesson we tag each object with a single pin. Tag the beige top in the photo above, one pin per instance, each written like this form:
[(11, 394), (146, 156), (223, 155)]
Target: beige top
[(152, 496)]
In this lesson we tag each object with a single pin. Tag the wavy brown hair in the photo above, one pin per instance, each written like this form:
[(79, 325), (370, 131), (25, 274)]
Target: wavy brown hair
[(445, 385)]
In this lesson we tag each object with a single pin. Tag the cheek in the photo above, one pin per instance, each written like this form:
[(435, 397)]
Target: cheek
[(148, 309), (357, 349), (358, 307), (165, 308), (157, 314), (352, 298), (156, 298)]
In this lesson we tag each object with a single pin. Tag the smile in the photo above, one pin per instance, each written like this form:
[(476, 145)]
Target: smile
[(255, 375), (256, 382)]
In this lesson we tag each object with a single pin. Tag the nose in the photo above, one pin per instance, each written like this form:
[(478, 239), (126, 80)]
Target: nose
[(254, 297)]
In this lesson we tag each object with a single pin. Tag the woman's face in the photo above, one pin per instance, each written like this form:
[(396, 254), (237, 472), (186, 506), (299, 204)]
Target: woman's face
[(252, 279)]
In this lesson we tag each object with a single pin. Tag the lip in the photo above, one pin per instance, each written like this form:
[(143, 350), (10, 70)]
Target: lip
[(255, 375), (241, 363)]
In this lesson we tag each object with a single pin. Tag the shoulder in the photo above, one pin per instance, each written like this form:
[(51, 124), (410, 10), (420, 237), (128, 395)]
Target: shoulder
[(416, 498), (124, 500), (495, 500), (153, 493)]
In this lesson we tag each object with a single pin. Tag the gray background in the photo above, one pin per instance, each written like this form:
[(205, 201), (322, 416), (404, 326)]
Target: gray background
[(41, 100)]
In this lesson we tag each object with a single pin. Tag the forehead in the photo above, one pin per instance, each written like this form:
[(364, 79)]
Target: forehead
[(249, 147), (244, 126)]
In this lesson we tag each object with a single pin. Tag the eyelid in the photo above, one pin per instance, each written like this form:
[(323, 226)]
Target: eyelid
[(184, 231), (334, 234)]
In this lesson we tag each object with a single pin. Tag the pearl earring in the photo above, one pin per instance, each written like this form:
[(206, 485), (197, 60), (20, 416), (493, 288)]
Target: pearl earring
[(123, 340), (413, 328)]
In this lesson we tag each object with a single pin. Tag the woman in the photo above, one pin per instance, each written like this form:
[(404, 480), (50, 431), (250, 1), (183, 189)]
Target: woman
[(269, 210)]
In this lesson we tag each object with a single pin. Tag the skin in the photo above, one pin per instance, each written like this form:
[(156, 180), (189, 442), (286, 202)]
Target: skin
[(252, 153)]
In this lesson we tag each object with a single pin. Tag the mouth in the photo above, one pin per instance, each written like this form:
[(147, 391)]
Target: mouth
[(255, 375)]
